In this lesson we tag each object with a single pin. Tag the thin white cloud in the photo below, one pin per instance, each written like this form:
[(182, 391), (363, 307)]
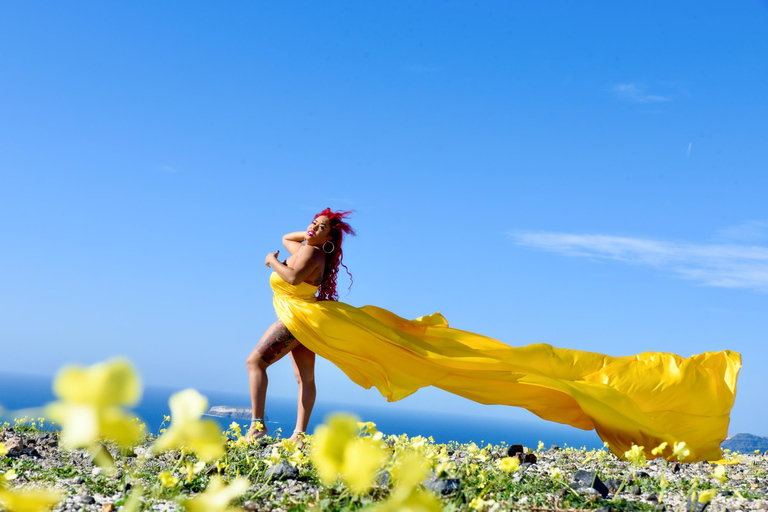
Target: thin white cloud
[(721, 265), (637, 93), (747, 232)]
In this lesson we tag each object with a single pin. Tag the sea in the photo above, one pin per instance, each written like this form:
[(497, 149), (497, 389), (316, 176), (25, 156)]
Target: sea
[(25, 395)]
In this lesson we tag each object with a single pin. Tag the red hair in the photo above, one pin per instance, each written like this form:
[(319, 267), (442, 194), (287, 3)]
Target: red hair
[(338, 228)]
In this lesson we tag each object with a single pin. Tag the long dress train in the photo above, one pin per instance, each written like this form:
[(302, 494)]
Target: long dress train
[(643, 399)]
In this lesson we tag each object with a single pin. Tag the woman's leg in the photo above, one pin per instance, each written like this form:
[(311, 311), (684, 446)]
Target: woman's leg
[(275, 343), (304, 368)]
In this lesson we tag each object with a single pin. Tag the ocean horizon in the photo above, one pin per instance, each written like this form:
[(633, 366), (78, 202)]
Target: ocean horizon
[(23, 394)]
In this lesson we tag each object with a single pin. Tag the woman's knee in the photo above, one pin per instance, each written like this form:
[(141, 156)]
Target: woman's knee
[(255, 362), (304, 378)]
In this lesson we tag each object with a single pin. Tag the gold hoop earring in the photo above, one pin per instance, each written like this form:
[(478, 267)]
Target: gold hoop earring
[(333, 247)]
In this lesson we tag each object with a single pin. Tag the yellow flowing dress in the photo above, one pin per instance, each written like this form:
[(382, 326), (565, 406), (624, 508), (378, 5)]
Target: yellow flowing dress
[(644, 399)]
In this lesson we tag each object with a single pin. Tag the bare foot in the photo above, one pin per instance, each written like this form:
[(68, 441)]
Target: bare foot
[(257, 430), (298, 438)]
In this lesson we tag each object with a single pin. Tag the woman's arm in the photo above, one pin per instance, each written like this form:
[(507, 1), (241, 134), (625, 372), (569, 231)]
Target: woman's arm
[(303, 266), (292, 241)]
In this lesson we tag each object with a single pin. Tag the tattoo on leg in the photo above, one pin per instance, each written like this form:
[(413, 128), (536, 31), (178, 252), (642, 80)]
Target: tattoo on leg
[(276, 343)]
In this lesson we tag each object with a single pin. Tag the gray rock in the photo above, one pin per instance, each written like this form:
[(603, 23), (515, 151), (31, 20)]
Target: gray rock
[(692, 504), (613, 484), (442, 486), (281, 471), (591, 480), (14, 443)]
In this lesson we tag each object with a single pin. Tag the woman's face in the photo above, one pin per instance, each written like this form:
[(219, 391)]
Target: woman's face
[(318, 231)]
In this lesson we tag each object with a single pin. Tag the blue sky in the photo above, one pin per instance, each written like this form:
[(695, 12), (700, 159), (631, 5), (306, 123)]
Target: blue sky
[(587, 175)]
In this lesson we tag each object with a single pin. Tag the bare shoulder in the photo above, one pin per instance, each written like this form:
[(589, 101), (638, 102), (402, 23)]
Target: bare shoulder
[(313, 253)]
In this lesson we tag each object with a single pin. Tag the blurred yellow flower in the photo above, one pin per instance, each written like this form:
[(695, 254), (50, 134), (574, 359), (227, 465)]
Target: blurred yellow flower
[(187, 430), (659, 450), (362, 460), (90, 403), (133, 503), (508, 464), (218, 496), (707, 495), (408, 472), (338, 451), (410, 500), (479, 503), (32, 500), (680, 451), (167, 479), (719, 474), (636, 455)]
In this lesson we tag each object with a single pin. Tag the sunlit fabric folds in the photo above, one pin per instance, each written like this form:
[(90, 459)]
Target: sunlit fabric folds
[(643, 399)]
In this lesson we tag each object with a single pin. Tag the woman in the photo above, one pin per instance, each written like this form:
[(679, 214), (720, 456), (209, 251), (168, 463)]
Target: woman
[(646, 399), (314, 262)]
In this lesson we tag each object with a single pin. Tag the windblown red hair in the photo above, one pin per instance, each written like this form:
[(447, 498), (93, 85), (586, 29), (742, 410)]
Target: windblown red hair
[(333, 261)]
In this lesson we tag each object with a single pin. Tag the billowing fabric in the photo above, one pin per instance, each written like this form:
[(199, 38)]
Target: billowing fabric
[(643, 399)]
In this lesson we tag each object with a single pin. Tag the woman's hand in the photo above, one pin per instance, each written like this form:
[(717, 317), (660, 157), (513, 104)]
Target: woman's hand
[(271, 259)]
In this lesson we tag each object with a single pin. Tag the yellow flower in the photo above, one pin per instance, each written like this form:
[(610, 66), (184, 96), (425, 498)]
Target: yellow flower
[(288, 445), (680, 451), (235, 428), (508, 464), (22, 500), (636, 455), (187, 430), (297, 458), (719, 474), (218, 496), (167, 479), (90, 403), (659, 450), (274, 457), (479, 503), (706, 496), (337, 451), (444, 468)]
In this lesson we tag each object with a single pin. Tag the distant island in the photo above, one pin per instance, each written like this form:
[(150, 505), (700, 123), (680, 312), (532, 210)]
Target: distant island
[(745, 443), (228, 411)]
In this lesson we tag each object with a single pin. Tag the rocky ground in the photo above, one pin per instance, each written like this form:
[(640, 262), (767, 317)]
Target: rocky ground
[(467, 477)]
